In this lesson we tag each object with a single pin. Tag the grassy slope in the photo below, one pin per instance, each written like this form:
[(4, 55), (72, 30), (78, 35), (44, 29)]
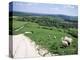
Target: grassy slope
[(17, 24), (41, 37)]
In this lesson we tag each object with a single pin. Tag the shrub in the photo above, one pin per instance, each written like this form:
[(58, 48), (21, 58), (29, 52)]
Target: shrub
[(73, 32)]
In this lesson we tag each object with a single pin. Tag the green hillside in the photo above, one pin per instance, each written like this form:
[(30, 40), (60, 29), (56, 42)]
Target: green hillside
[(47, 32)]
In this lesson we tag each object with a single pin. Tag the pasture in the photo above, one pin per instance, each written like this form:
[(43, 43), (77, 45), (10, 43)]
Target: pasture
[(47, 37)]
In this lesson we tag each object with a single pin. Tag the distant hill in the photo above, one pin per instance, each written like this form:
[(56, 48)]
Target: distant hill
[(65, 17)]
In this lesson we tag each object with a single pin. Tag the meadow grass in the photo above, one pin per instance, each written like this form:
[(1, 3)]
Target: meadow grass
[(46, 37)]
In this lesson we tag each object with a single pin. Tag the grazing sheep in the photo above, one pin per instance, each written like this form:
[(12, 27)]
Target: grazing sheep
[(68, 39), (64, 43)]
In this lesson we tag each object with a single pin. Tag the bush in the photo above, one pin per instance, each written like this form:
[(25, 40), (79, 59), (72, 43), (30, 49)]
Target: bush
[(73, 32), (49, 28)]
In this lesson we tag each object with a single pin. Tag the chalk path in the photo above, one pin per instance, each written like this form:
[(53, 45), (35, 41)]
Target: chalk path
[(23, 47)]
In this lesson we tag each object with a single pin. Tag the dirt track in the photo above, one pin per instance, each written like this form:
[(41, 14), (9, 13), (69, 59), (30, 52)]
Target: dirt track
[(24, 47)]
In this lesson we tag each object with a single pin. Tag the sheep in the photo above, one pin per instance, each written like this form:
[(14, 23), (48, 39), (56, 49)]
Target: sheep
[(64, 43), (68, 39)]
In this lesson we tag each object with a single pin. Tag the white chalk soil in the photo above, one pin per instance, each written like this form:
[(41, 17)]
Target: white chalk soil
[(23, 47)]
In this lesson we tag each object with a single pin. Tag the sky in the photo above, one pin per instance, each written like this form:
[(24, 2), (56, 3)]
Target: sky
[(45, 8)]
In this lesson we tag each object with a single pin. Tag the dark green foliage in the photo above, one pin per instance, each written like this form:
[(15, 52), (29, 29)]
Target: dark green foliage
[(49, 21), (73, 32)]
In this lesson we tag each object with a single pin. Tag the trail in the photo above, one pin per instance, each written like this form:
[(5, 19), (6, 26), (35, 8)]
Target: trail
[(19, 28), (23, 47)]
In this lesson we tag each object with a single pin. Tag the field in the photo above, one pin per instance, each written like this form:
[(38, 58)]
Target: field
[(48, 35)]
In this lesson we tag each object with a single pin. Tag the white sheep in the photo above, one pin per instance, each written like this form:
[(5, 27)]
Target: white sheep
[(64, 43), (68, 39)]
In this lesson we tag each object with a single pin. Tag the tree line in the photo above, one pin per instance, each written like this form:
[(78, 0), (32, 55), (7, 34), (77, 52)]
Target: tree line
[(50, 21)]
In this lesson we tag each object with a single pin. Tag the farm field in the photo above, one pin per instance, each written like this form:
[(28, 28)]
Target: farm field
[(46, 35)]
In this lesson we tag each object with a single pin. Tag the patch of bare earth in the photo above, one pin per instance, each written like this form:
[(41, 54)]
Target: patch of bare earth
[(23, 46)]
